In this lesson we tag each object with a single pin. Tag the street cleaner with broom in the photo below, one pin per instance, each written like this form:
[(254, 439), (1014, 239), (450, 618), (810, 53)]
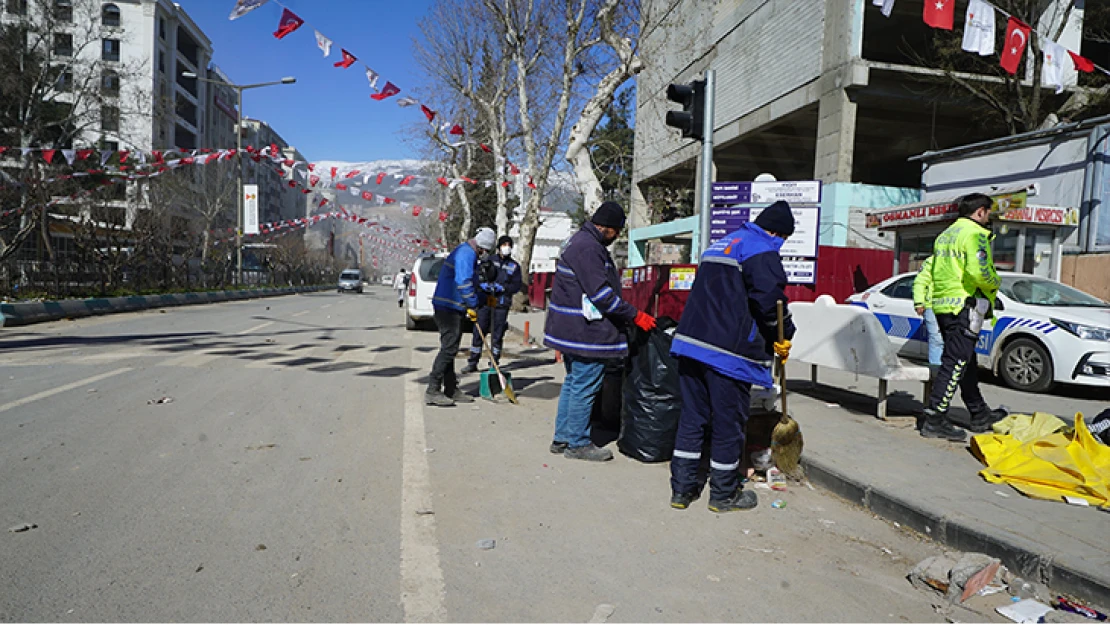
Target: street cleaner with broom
[(724, 345)]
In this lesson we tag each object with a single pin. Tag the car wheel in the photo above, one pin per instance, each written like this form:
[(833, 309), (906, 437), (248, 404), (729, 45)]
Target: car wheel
[(410, 323), (1026, 366)]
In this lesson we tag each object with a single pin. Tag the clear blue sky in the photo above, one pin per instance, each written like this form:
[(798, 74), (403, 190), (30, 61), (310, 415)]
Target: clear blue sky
[(328, 113)]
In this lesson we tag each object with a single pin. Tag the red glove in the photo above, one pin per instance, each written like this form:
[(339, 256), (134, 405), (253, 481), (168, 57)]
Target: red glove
[(644, 321)]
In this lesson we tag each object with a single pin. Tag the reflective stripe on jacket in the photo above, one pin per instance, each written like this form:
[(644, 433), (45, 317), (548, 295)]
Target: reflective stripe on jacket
[(962, 266)]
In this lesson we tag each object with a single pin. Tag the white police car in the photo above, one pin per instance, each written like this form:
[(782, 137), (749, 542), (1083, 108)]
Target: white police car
[(1043, 332)]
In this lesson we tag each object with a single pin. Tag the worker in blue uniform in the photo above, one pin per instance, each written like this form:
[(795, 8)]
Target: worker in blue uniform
[(495, 297)]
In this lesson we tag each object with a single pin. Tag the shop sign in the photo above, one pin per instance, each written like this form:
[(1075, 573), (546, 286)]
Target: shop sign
[(1009, 201), (1042, 215), (682, 278), (912, 216)]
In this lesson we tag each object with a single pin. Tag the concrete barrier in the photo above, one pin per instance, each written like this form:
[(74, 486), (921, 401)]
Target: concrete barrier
[(851, 339), (21, 314)]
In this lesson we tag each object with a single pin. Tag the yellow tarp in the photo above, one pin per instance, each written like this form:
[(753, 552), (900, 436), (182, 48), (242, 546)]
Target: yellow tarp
[(1025, 428), (1049, 466)]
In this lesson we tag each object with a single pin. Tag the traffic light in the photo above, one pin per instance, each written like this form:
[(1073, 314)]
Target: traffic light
[(690, 120)]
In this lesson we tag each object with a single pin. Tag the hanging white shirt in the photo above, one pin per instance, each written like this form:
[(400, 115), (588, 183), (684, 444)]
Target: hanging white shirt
[(1055, 57), (979, 28)]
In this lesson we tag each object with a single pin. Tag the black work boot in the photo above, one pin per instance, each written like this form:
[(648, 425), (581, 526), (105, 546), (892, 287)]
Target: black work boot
[(460, 397), (470, 367), (681, 501), (936, 425), (982, 421), (739, 500), (558, 447), (435, 397), (590, 453)]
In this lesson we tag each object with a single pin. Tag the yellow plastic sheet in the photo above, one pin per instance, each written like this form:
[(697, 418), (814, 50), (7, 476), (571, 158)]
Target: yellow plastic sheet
[(1025, 428), (1049, 467)]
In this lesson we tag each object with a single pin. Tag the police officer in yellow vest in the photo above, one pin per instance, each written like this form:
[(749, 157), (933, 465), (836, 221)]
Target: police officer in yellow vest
[(964, 287)]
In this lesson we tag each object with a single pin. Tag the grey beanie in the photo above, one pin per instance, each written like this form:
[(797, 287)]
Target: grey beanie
[(486, 238)]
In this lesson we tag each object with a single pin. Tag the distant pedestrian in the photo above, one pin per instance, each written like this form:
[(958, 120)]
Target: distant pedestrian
[(585, 321), (724, 345), (923, 306), (965, 284), (494, 299), (401, 284), (455, 297)]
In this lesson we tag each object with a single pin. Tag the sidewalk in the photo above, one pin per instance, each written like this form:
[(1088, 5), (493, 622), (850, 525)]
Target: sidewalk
[(933, 487)]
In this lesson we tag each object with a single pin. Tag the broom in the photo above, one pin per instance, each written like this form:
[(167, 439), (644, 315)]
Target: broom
[(786, 439), (507, 388)]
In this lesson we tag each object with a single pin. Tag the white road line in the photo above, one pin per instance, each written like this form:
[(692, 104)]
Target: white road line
[(192, 360), (61, 389), (303, 312), (257, 327), (325, 306), (422, 589)]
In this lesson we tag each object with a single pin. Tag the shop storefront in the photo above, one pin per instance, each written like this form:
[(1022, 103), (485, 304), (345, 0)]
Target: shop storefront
[(1029, 237)]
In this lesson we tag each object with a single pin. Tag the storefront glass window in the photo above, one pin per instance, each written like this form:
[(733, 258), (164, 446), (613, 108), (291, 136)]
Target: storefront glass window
[(1005, 250), (1100, 213)]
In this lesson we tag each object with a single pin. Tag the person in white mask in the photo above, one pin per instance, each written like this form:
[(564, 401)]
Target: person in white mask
[(499, 279)]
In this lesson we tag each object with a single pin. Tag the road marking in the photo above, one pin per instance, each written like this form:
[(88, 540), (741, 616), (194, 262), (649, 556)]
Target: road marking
[(61, 389), (422, 590), (257, 327), (303, 312), (326, 306), (192, 360)]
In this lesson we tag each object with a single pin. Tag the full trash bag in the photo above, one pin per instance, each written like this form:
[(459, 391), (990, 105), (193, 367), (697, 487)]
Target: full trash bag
[(652, 398)]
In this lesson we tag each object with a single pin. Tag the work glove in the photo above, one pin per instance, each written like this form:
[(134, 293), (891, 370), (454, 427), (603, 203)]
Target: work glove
[(486, 286), (497, 288), (471, 314), (782, 350), (644, 321)]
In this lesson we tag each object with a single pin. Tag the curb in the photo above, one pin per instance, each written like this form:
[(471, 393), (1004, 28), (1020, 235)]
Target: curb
[(1023, 557), (38, 312)]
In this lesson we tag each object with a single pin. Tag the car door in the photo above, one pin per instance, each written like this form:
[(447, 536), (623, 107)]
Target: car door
[(893, 305)]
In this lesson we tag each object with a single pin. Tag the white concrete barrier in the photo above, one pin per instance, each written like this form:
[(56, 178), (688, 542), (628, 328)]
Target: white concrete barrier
[(851, 339)]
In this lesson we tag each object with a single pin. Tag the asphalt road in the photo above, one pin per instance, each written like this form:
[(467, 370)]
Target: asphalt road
[(296, 476)]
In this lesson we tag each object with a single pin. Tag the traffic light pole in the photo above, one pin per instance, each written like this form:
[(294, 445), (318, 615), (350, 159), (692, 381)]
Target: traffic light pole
[(706, 164)]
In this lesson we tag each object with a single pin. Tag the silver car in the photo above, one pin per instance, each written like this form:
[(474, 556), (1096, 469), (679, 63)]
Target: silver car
[(350, 280)]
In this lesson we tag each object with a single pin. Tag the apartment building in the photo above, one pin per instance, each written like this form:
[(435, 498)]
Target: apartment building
[(276, 199)]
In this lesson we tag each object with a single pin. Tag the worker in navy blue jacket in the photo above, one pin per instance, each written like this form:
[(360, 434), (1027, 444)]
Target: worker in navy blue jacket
[(586, 318), (723, 344), (455, 296), (494, 299)]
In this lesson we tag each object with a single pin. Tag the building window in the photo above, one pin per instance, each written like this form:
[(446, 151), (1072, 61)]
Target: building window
[(109, 119), (109, 83), (17, 7), (162, 28), (63, 10), (110, 15), (64, 81), (111, 50), (161, 62), (63, 44)]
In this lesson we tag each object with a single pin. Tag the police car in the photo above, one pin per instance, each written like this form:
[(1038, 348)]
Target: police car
[(1043, 332)]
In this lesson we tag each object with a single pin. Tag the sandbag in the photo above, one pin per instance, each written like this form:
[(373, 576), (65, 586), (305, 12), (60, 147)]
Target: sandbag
[(652, 398)]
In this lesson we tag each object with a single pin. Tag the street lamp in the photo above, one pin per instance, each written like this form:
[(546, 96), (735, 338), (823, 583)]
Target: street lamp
[(239, 89)]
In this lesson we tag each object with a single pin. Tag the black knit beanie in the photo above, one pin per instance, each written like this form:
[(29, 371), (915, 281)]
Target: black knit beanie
[(609, 214), (777, 218)]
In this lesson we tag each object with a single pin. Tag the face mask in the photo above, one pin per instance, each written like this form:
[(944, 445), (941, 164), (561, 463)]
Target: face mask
[(506, 250)]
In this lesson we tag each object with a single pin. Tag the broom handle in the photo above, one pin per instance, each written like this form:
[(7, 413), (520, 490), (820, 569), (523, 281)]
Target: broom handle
[(493, 361), (782, 365)]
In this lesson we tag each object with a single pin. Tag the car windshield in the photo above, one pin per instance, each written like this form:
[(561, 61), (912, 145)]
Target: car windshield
[(1040, 292), (349, 275), (429, 269)]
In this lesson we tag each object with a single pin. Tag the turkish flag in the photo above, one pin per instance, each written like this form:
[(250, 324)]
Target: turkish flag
[(366, 195), (1017, 37), (1082, 64), (381, 177), (443, 215), (429, 113), (389, 200), (348, 60), (456, 130), (289, 22), (940, 13), (314, 180), (388, 91), (416, 210), (341, 186), (406, 180), (48, 155), (443, 181)]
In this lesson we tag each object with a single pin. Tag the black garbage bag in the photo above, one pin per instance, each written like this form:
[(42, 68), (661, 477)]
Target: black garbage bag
[(652, 399)]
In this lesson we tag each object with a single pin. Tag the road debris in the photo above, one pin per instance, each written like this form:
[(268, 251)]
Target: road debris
[(602, 613), (22, 527), (199, 569), (162, 400), (91, 390), (713, 578), (1024, 611), (424, 512), (260, 547), (486, 544), (261, 447), (974, 584), (1074, 607), (778, 504)]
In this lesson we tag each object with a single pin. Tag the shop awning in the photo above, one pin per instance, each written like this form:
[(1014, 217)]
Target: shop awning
[(1006, 201)]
